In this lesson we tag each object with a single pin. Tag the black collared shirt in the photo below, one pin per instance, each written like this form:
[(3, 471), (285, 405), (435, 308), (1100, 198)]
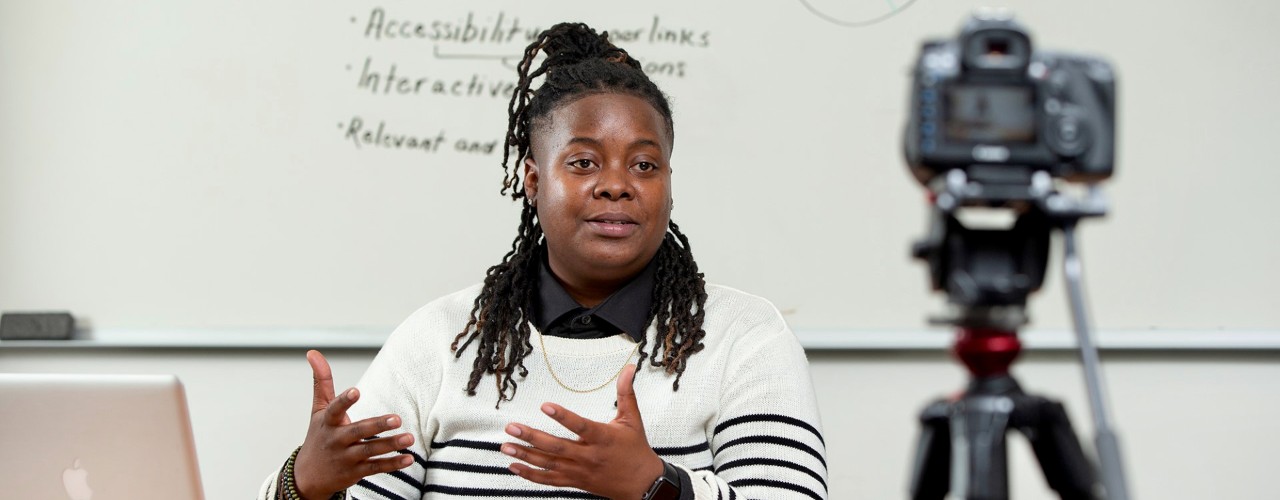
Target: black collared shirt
[(626, 310)]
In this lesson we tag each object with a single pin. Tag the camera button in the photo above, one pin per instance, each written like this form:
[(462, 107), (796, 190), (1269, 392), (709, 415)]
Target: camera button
[(1068, 136), (1069, 130)]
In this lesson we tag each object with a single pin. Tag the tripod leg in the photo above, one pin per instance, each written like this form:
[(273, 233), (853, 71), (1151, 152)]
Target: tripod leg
[(979, 425), (1056, 446), (930, 474)]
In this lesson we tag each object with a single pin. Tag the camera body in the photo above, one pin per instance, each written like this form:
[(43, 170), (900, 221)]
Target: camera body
[(988, 104)]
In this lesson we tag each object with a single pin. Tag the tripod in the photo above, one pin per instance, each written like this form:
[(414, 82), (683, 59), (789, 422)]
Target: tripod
[(988, 274), (976, 424)]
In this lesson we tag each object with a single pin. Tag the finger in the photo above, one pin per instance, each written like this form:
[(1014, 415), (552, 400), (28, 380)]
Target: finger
[(549, 478), (628, 406), (576, 424), (336, 413), (369, 428), (541, 459), (381, 446), (542, 441), (322, 381), (380, 465)]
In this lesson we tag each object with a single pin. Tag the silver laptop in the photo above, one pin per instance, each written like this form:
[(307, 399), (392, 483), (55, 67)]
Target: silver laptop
[(96, 437)]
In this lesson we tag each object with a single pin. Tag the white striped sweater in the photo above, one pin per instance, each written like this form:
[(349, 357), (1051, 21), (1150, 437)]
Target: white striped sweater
[(744, 423)]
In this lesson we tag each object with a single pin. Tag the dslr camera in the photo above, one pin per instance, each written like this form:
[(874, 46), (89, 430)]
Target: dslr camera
[(998, 129), (986, 103)]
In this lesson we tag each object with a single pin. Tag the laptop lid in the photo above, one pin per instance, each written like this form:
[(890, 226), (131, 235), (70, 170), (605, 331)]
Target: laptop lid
[(96, 437)]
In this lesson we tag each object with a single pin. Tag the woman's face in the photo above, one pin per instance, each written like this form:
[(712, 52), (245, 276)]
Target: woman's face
[(599, 175)]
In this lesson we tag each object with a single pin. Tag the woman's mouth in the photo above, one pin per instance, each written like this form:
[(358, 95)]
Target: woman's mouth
[(613, 226)]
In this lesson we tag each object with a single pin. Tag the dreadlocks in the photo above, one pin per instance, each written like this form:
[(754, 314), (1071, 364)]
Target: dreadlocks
[(579, 62)]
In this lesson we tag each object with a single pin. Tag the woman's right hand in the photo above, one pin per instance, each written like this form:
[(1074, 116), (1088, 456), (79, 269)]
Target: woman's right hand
[(337, 453)]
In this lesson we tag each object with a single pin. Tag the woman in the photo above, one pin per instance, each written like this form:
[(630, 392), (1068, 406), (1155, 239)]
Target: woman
[(712, 396)]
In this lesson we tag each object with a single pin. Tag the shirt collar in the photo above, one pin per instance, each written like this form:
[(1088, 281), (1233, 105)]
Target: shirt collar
[(627, 308)]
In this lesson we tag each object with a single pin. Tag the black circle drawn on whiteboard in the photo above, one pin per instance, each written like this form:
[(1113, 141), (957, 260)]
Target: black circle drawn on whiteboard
[(861, 22)]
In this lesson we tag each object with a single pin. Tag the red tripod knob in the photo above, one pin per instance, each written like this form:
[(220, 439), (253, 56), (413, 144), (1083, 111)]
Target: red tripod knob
[(986, 351)]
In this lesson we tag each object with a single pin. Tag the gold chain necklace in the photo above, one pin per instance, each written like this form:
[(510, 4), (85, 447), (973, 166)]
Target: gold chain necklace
[(542, 343)]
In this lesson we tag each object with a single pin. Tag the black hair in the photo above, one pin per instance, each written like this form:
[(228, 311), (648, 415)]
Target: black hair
[(579, 62)]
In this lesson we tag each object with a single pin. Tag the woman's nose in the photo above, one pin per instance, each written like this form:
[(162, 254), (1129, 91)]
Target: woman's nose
[(613, 183)]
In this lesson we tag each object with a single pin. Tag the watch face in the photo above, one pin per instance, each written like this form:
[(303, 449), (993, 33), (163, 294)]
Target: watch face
[(663, 489)]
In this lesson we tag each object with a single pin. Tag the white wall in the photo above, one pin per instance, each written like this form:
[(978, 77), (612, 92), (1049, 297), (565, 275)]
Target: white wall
[(1193, 426)]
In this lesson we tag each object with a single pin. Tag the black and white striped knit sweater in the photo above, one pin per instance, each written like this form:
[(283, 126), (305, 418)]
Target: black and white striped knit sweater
[(744, 424)]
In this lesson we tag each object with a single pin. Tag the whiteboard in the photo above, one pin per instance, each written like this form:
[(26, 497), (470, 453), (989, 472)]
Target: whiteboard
[(235, 164)]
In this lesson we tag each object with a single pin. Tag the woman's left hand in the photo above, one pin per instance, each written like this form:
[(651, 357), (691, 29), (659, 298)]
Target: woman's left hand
[(612, 459)]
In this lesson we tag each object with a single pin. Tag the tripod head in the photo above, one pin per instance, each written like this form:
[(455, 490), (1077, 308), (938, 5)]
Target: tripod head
[(988, 273)]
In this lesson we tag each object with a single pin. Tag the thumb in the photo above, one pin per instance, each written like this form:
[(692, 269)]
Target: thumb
[(628, 406), (322, 381)]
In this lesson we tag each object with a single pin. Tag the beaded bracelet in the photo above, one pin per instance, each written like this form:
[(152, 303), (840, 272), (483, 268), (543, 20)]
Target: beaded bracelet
[(287, 486)]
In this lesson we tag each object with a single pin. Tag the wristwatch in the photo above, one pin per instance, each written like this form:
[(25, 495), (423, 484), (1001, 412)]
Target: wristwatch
[(666, 486)]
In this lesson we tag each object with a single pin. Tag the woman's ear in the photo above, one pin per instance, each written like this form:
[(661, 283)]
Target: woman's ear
[(531, 180)]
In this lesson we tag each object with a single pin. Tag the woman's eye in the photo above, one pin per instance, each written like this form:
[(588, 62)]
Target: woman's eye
[(583, 163)]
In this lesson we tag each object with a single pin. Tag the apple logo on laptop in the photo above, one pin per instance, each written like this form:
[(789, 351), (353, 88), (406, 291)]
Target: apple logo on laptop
[(76, 481)]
